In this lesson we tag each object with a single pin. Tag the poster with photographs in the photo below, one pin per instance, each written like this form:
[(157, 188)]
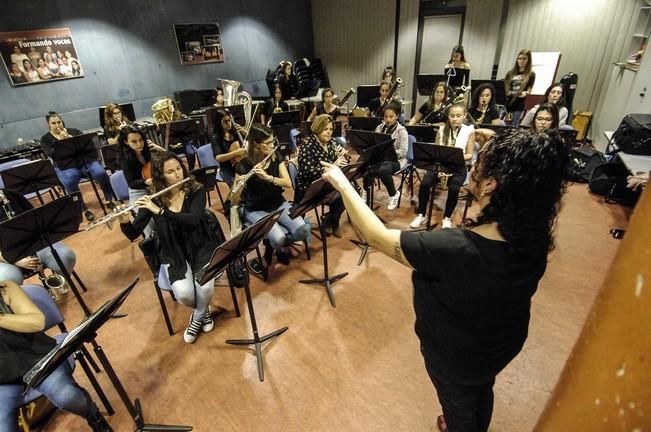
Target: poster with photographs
[(38, 56), (199, 43)]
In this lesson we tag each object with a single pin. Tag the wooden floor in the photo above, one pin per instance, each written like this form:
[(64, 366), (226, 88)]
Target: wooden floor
[(356, 367)]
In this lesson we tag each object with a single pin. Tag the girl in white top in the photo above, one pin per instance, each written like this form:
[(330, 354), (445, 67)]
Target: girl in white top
[(385, 170), (453, 134)]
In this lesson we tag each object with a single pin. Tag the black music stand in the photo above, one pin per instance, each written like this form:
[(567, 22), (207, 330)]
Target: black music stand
[(207, 176), (86, 332), (438, 158), (423, 132), (456, 77), (364, 123), (286, 117), (321, 192), (426, 82), (78, 151), (31, 177), (41, 227), (237, 112), (186, 130), (236, 249), (110, 157), (500, 91), (365, 93)]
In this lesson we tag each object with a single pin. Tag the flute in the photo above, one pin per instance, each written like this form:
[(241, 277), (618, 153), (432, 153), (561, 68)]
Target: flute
[(109, 217)]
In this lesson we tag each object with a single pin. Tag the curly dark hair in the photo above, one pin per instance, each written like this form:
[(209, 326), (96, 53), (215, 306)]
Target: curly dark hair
[(479, 91), (124, 151), (530, 169), (158, 175)]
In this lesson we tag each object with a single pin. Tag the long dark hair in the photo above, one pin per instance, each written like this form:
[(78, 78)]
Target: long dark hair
[(479, 91), (530, 169), (127, 153), (446, 89), (550, 108), (458, 49), (257, 134), (158, 177), (561, 101)]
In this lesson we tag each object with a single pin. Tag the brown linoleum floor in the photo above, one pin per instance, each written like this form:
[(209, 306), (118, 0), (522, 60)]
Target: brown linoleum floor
[(356, 367)]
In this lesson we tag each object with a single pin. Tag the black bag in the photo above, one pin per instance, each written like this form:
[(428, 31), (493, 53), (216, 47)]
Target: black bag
[(633, 135), (609, 181), (582, 162)]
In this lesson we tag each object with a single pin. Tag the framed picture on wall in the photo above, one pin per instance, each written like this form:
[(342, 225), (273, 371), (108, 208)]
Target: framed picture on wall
[(39, 56), (202, 41)]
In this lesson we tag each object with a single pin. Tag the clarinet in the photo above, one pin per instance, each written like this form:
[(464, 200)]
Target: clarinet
[(6, 205)]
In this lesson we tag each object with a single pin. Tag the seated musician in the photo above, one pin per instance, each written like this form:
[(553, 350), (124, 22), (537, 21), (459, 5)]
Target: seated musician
[(219, 98), (227, 144), (273, 105), (553, 95), (433, 111), (186, 237), (376, 106), (263, 192), (453, 134), (385, 170), (134, 150), (114, 121), (483, 109), (326, 106), (14, 203), (22, 345), (70, 177), (546, 117), (320, 146), (287, 80)]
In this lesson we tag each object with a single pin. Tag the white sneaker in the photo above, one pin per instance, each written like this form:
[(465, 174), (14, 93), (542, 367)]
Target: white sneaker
[(418, 221), (447, 223), (192, 331), (207, 323), (363, 195), (393, 201)]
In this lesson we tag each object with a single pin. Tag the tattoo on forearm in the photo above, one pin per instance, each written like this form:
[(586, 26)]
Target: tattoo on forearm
[(397, 253)]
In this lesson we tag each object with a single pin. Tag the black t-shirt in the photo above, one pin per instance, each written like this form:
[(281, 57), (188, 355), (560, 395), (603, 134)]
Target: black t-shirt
[(425, 110), (320, 109), (260, 194), (270, 106), (48, 141), (472, 300), (222, 146), (374, 107), (491, 114)]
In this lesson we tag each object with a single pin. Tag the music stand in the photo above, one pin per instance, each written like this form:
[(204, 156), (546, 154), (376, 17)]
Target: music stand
[(207, 176), (110, 157), (364, 123), (86, 332), (426, 82), (456, 77), (439, 158), (318, 193), (31, 177), (365, 93), (78, 151), (182, 131), (41, 227), (286, 117), (500, 91), (423, 132), (236, 249), (237, 112)]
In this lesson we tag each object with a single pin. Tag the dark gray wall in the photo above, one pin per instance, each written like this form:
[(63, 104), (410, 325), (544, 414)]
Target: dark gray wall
[(129, 54)]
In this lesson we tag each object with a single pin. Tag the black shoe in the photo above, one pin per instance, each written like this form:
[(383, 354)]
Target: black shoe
[(255, 266), (111, 205), (89, 215), (98, 423), (283, 258)]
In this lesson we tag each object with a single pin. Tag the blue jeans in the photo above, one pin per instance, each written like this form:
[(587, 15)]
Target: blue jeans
[(68, 257), (70, 178), (285, 231), (60, 388)]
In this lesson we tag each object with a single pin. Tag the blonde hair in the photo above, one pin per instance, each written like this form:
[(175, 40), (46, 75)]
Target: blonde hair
[(320, 123)]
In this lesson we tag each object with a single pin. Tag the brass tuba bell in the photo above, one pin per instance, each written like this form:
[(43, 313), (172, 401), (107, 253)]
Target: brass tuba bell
[(162, 111), (232, 97)]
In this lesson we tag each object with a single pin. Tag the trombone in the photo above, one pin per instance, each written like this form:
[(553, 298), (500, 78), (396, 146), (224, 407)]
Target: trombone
[(109, 217)]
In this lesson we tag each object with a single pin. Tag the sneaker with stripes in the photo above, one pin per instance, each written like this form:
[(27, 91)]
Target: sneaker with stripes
[(207, 323), (192, 331)]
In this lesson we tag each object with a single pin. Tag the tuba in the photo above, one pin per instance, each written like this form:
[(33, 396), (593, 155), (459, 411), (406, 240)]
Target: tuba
[(232, 97), (162, 112)]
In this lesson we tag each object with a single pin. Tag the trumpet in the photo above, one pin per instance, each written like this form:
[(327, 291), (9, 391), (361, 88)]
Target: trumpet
[(109, 217)]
